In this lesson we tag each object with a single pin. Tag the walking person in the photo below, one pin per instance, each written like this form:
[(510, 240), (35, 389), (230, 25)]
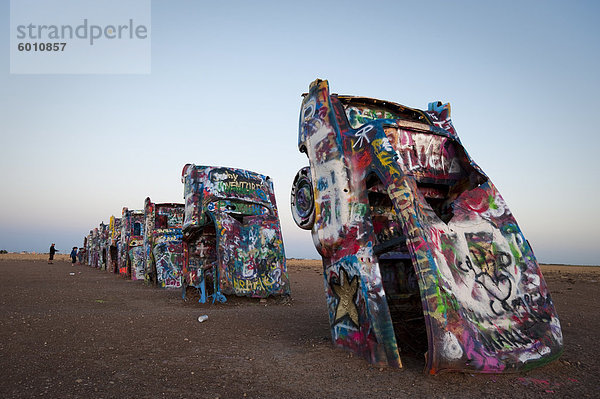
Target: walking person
[(52, 252), (73, 256)]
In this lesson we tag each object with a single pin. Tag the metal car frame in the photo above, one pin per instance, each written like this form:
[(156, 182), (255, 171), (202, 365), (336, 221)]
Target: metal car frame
[(420, 251), (132, 260), (232, 235), (94, 243), (114, 231), (163, 245), (103, 246)]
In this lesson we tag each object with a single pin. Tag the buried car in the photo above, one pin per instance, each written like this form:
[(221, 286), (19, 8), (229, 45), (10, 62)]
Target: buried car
[(82, 253), (131, 259), (87, 242), (114, 239), (232, 235), (94, 244), (420, 252), (162, 243), (104, 242)]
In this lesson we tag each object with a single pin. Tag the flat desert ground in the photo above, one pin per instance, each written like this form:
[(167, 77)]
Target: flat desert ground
[(76, 332)]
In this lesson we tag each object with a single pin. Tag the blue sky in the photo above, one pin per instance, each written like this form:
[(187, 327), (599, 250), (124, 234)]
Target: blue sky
[(225, 86)]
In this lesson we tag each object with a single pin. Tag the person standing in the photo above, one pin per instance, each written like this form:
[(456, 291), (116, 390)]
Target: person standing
[(52, 252), (73, 256)]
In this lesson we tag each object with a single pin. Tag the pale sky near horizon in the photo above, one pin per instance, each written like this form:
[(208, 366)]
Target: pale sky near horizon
[(225, 89)]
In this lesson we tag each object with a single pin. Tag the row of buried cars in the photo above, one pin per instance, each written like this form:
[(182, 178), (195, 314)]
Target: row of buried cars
[(420, 252), (224, 240)]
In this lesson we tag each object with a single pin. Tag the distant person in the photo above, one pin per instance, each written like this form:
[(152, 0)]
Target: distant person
[(80, 256), (73, 256), (52, 252)]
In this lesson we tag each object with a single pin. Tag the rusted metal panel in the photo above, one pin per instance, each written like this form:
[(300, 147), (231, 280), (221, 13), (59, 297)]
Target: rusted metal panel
[(232, 235), (419, 248), (163, 243)]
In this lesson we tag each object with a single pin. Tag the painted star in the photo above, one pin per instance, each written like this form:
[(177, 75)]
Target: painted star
[(345, 293)]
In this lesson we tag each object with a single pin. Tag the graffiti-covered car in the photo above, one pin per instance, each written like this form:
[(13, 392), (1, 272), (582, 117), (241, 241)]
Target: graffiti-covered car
[(232, 235), (88, 248), (162, 243), (94, 244), (420, 251), (104, 244), (114, 232), (82, 252), (132, 261)]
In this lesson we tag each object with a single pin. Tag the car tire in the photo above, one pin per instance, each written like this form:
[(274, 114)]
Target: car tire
[(303, 199)]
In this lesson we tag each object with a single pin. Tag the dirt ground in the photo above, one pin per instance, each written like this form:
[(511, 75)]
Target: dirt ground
[(72, 331)]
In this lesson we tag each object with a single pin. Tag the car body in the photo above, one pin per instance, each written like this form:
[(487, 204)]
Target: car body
[(94, 243), (163, 243), (103, 245), (232, 235), (132, 260), (114, 231), (420, 251), (82, 253), (88, 248)]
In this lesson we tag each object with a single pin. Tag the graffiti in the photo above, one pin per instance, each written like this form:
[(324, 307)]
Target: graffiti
[(359, 115), (163, 247), (362, 136), (254, 284), (424, 154), (114, 241), (238, 184), (231, 184), (420, 251), (345, 293), (499, 340), (82, 252), (94, 250), (103, 242), (231, 233), (237, 208), (168, 257), (131, 256), (136, 259)]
